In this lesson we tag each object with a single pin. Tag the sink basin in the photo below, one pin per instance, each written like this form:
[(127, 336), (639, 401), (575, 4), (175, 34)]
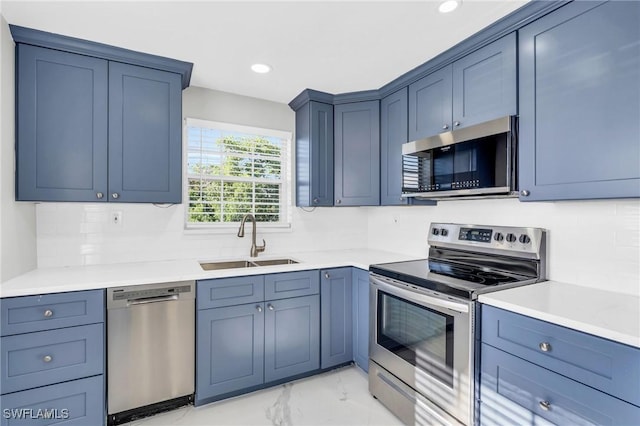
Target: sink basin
[(270, 262), (232, 264)]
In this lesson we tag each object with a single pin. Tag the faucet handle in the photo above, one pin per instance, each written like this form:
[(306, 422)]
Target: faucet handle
[(261, 248)]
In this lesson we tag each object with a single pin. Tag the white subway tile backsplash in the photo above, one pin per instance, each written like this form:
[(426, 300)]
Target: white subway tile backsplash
[(592, 243)]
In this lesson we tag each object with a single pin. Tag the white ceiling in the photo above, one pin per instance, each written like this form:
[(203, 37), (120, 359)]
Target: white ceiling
[(332, 46)]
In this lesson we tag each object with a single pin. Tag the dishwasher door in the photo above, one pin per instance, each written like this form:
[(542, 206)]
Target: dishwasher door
[(150, 346)]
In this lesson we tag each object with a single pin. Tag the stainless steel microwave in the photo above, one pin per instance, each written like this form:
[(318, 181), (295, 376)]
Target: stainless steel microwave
[(475, 161)]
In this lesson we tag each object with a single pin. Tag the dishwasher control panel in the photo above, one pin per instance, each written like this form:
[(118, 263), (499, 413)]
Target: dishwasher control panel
[(135, 294)]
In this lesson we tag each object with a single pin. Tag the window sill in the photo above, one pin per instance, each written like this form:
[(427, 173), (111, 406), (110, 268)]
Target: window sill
[(262, 228)]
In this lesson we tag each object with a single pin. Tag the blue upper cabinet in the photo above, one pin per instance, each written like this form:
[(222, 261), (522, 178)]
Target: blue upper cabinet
[(357, 154), (145, 135), (96, 122), (393, 133), (61, 126), (485, 83), (430, 105), (479, 87), (314, 155), (580, 103)]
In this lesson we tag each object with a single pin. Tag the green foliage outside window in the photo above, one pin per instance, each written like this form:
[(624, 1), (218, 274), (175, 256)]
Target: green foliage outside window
[(231, 175)]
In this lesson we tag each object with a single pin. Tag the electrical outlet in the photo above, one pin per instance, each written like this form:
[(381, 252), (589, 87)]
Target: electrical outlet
[(116, 218)]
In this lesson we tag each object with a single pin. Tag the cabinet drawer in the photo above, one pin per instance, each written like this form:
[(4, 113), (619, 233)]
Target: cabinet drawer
[(611, 367), (543, 393), (46, 357), (80, 402), (230, 291), (291, 284), (49, 311)]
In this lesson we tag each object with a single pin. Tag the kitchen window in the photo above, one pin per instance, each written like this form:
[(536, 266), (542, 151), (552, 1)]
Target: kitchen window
[(232, 170)]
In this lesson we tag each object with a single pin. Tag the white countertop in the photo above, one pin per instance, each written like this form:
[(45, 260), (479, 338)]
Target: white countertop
[(614, 316), (74, 278)]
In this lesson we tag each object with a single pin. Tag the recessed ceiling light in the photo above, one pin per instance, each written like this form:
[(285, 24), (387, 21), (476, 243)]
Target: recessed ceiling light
[(260, 68), (448, 6)]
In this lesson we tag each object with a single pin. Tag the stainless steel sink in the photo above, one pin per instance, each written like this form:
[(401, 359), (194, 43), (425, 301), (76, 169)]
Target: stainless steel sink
[(235, 264), (232, 264), (270, 262)]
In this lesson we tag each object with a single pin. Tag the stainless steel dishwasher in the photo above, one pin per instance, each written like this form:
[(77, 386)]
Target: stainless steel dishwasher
[(150, 349)]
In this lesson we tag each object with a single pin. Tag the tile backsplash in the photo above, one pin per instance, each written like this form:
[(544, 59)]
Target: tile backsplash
[(591, 243)]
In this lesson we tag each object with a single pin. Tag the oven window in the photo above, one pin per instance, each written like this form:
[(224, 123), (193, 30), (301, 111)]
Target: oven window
[(419, 335)]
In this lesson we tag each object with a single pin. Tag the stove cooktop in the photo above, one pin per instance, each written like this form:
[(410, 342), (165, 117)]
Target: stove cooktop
[(466, 281)]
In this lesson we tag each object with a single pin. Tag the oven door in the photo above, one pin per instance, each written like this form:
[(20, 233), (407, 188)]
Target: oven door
[(424, 339)]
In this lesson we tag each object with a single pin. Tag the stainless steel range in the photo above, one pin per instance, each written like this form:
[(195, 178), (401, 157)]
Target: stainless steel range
[(422, 363)]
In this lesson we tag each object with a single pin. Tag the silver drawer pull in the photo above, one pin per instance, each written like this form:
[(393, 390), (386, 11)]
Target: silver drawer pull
[(326, 275), (545, 346), (270, 306), (48, 313), (259, 308), (47, 358), (545, 405)]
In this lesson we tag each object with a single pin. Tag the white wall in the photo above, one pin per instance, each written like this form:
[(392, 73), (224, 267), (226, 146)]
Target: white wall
[(81, 234), (17, 220), (591, 243)]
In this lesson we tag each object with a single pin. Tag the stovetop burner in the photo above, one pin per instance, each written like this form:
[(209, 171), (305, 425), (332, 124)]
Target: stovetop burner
[(467, 260)]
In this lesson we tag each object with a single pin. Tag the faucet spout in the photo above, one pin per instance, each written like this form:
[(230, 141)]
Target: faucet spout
[(255, 249)]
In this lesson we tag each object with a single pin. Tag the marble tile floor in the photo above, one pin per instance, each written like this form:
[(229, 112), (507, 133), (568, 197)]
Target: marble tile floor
[(338, 397)]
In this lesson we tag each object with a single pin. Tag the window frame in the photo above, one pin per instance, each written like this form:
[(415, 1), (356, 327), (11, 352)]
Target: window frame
[(286, 199)]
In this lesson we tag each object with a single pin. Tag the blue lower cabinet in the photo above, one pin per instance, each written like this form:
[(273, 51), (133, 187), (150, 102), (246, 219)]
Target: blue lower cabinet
[(37, 359), (75, 403), (361, 318), (291, 284), (336, 305), (515, 391), (291, 337), (229, 349)]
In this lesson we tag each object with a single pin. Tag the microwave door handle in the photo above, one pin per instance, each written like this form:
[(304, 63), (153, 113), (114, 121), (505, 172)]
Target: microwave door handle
[(419, 297)]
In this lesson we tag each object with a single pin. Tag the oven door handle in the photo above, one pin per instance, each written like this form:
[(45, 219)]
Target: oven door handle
[(419, 298)]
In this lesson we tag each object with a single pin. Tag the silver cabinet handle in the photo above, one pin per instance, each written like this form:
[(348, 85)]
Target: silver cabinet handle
[(545, 405), (525, 193), (457, 124), (47, 358), (259, 308), (115, 195), (326, 275), (99, 195), (338, 201), (545, 346), (315, 201), (270, 306), (48, 313), (445, 127)]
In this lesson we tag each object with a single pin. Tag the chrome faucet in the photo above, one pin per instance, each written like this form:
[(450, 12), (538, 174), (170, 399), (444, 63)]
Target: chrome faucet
[(254, 248)]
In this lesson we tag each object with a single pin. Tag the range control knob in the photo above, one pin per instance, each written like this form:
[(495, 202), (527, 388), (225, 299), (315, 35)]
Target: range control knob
[(435, 231), (498, 236), (444, 232), (524, 239), (511, 238)]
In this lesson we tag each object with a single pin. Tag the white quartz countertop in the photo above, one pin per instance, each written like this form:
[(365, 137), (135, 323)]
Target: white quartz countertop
[(614, 316), (74, 278)]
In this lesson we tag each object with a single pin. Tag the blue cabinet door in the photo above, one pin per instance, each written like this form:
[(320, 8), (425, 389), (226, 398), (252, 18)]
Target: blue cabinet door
[(357, 154), (61, 126), (314, 155), (579, 103), (430, 104), (74, 403), (291, 284), (336, 313), (361, 318), (514, 391), (485, 83), (394, 126), (229, 350), (145, 135), (291, 337)]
